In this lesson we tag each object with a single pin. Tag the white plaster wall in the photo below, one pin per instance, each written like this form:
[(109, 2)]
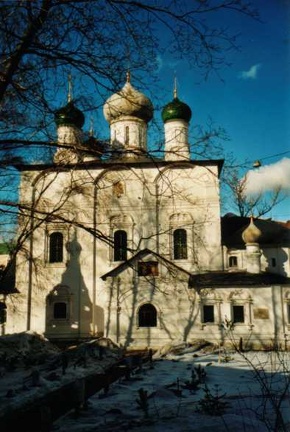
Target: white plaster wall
[(176, 140), (279, 254), (146, 220), (179, 314)]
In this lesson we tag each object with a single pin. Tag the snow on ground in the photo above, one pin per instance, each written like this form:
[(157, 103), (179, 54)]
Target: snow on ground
[(31, 366), (173, 404), (169, 394)]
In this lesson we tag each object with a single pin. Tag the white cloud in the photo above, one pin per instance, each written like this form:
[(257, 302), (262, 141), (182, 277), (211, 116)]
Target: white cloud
[(269, 178), (251, 73), (166, 63)]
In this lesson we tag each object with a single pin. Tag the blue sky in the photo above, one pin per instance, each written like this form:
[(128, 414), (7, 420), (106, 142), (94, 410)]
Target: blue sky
[(251, 98)]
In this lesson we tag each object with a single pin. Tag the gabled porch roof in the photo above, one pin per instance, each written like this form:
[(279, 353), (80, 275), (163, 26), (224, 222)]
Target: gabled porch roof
[(138, 257)]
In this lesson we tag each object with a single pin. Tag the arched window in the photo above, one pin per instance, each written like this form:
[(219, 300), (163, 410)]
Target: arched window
[(179, 244), (120, 245), (56, 247), (60, 310), (127, 135), (147, 316), (233, 261)]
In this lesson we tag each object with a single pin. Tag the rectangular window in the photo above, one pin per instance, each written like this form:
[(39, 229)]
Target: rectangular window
[(233, 261), (238, 314), (120, 245), (60, 310), (208, 314), (179, 244), (273, 262), (56, 247), (148, 268), (288, 312)]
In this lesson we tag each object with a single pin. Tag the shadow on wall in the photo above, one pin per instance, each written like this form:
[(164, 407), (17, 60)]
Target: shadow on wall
[(276, 262), (69, 309)]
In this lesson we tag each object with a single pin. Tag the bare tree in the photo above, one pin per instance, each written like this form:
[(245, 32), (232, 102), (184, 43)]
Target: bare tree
[(235, 185), (43, 40), (95, 41)]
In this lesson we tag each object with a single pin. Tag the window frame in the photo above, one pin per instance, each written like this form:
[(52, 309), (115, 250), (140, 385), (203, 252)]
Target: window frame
[(234, 306), (235, 263), (59, 294), (57, 318), (145, 322), (179, 245), (56, 228), (207, 305), (56, 250), (120, 253), (148, 268)]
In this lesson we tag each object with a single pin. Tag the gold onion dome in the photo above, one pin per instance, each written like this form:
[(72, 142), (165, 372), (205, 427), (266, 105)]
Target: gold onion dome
[(252, 233), (69, 115), (128, 102)]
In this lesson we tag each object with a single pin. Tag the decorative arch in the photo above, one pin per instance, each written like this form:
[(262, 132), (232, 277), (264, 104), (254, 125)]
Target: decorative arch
[(179, 165), (208, 293), (180, 220), (239, 294), (113, 170), (121, 221)]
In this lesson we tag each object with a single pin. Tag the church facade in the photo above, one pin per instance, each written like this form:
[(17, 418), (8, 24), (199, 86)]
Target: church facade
[(133, 248)]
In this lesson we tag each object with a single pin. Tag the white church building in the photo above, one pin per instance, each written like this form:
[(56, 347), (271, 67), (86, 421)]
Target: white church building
[(134, 248)]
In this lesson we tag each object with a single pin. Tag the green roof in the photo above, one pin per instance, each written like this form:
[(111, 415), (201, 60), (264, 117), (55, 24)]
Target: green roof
[(69, 115), (176, 110), (4, 249)]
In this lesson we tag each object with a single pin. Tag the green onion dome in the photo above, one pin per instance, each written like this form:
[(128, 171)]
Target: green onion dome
[(176, 110), (69, 115), (128, 102)]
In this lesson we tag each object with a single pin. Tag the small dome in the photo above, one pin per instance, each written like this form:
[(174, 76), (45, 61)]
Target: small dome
[(128, 102), (176, 110), (94, 144), (69, 115), (251, 234)]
